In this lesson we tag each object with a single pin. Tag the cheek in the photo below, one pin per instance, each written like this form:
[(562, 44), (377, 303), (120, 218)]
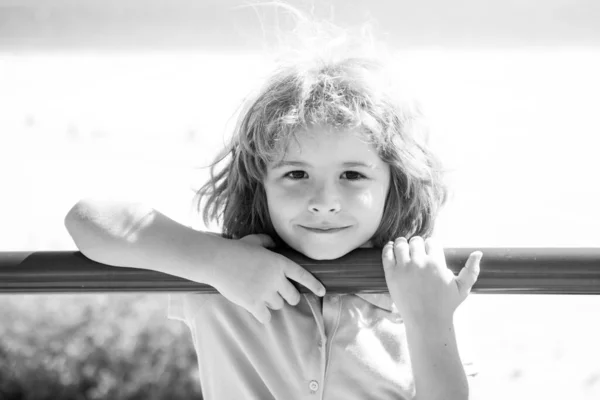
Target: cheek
[(370, 200), (284, 203), (365, 200), (283, 196), (368, 206)]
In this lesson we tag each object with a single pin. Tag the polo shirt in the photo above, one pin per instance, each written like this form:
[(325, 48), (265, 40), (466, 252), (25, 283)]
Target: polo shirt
[(353, 346)]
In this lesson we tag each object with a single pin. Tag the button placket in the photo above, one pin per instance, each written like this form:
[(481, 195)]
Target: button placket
[(330, 313), (331, 318), (314, 384)]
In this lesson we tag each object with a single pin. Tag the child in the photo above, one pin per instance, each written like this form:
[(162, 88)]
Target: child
[(323, 160)]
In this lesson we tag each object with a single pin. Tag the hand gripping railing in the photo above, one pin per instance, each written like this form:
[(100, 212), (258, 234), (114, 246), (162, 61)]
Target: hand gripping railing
[(503, 270)]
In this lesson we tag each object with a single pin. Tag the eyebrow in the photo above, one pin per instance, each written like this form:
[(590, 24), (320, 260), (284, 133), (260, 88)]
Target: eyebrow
[(349, 164)]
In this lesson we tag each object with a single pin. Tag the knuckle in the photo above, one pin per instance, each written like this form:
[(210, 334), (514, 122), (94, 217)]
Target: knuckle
[(416, 240)]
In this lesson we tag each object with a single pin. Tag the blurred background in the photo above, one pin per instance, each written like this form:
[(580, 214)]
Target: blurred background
[(126, 99)]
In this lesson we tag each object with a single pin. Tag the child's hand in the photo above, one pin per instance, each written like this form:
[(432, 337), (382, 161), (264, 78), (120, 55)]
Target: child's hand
[(420, 283), (258, 280)]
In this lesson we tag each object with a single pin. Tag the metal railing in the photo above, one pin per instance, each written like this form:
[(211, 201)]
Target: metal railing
[(503, 270)]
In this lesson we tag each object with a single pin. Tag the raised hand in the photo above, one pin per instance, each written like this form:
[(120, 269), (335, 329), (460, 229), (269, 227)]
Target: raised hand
[(258, 279), (420, 283)]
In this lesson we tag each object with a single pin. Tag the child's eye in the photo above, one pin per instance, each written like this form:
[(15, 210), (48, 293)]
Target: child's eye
[(354, 176), (295, 175)]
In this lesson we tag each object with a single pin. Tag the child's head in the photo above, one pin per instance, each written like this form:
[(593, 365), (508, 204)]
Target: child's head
[(292, 162)]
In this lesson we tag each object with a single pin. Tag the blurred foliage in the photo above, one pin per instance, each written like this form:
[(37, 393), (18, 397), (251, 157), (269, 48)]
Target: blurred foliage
[(80, 347)]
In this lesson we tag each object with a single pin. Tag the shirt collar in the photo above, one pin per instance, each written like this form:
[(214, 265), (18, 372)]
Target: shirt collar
[(381, 300)]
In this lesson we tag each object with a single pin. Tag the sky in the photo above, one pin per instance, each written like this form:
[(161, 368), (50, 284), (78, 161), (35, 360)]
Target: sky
[(213, 25)]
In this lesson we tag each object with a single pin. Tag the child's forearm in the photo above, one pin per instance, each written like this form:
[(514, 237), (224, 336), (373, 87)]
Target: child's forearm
[(134, 235), (436, 364)]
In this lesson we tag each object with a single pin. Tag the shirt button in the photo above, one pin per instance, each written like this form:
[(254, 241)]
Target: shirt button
[(313, 386)]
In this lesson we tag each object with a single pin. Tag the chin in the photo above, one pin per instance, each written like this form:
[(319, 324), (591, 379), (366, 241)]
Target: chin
[(325, 253)]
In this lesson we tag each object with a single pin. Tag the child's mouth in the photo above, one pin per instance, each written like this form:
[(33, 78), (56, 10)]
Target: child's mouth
[(324, 230)]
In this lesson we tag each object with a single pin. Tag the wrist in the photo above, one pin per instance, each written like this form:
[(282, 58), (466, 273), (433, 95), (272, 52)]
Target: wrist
[(187, 253), (205, 257), (220, 258), (429, 323)]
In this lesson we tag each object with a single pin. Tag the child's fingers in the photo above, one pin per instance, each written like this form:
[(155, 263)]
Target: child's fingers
[(417, 248), (387, 256), (262, 314), (305, 278), (275, 302), (289, 293), (468, 275), (402, 251), (390, 266)]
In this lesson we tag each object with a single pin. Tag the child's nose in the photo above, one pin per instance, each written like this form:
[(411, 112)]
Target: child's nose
[(325, 199)]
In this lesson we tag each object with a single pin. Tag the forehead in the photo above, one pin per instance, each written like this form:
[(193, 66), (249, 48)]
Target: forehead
[(331, 145)]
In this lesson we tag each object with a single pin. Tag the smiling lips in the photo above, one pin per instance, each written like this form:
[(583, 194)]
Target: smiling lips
[(324, 229)]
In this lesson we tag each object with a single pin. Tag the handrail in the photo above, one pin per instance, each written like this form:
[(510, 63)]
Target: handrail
[(503, 270)]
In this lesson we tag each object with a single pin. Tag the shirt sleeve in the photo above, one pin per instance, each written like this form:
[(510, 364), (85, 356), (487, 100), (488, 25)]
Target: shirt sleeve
[(175, 309), (184, 306)]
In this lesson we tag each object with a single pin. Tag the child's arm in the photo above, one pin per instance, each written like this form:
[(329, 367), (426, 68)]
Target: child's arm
[(129, 234), (436, 364), (427, 293)]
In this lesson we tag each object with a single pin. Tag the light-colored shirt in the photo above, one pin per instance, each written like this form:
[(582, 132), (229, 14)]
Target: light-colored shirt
[(351, 347)]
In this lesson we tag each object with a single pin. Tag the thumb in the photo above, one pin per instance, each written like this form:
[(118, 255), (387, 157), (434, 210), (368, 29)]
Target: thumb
[(468, 275), (259, 239)]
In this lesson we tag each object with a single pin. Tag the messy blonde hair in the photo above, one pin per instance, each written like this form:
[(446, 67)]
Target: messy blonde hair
[(339, 85)]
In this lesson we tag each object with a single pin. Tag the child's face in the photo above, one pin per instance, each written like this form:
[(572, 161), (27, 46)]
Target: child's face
[(326, 196)]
